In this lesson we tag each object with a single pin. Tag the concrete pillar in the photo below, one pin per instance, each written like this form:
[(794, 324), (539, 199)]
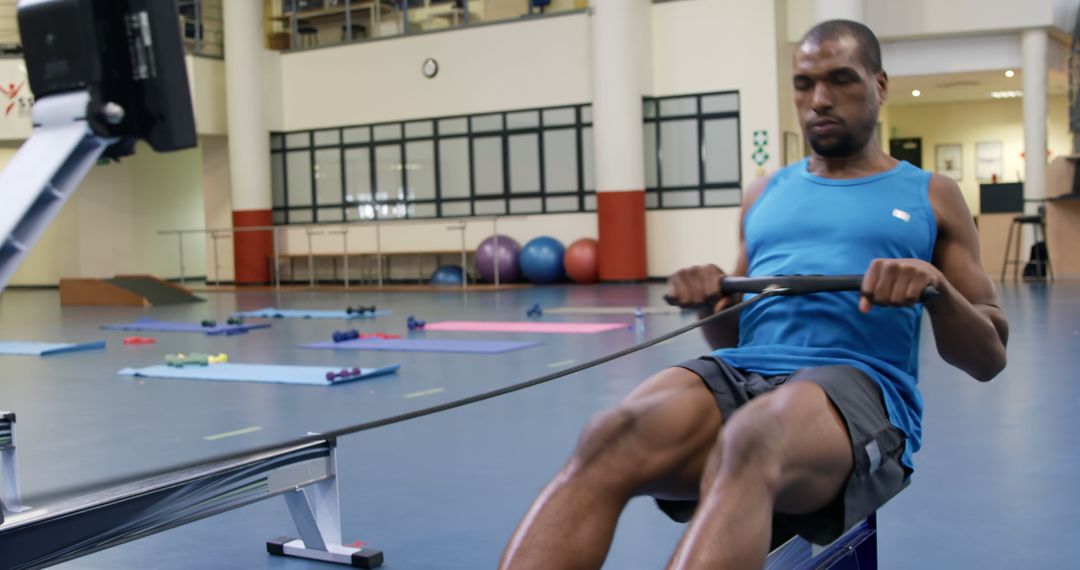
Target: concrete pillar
[(620, 55), (1033, 48), (249, 139), (838, 10)]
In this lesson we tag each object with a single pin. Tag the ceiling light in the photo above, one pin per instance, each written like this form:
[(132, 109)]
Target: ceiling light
[(916, 93), (1006, 94), (1009, 73)]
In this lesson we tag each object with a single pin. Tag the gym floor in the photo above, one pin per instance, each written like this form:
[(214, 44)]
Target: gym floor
[(995, 484)]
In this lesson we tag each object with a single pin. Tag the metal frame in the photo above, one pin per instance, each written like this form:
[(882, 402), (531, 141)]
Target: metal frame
[(854, 550), (44, 173), (10, 493), (342, 228), (306, 475), (284, 208)]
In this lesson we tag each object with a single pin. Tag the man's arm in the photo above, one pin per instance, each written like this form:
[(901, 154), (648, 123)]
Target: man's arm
[(694, 285), (970, 328)]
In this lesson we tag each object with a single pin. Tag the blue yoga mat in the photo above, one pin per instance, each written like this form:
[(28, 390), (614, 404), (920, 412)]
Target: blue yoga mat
[(237, 372), (47, 348), (272, 313), (425, 345), (148, 324)]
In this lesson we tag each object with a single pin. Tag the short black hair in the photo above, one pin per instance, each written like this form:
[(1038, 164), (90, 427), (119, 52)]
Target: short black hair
[(869, 47)]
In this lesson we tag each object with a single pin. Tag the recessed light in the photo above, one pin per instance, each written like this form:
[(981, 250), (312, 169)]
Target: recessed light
[(1006, 94), (1009, 73), (916, 93)]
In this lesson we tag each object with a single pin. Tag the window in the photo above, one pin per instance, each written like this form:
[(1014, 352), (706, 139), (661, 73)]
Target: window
[(530, 161), (692, 151), (516, 162)]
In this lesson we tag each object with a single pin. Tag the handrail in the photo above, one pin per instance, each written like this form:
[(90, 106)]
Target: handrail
[(408, 221), (459, 224)]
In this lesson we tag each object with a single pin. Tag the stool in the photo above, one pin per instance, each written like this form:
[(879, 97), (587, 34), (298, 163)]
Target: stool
[(1039, 233), (356, 31), (309, 34)]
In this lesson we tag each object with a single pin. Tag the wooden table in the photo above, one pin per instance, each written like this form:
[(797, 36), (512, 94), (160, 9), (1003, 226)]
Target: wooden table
[(1063, 217)]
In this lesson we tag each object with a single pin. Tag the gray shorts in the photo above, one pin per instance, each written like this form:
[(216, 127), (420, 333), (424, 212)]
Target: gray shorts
[(877, 475)]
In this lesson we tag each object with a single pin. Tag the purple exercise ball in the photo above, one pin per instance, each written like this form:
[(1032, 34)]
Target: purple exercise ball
[(507, 253)]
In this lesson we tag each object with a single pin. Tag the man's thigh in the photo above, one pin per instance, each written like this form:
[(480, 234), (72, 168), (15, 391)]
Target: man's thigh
[(875, 473), (670, 422)]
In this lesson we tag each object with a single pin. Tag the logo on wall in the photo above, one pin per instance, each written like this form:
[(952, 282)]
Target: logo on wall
[(16, 102), (760, 155)]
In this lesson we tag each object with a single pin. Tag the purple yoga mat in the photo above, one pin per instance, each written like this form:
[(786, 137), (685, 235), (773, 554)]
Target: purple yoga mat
[(425, 345), (148, 324)]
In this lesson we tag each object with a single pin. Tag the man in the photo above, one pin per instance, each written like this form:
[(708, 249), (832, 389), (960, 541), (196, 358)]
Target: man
[(814, 415)]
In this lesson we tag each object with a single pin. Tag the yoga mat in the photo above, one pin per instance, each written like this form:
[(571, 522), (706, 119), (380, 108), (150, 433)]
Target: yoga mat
[(272, 313), (425, 345), (148, 324), (237, 372), (14, 348), (525, 327), (587, 310)]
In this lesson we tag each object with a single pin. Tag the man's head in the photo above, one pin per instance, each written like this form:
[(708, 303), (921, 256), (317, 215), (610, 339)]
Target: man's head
[(839, 86)]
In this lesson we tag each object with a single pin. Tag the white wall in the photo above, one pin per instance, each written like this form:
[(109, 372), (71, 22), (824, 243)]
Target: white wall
[(906, 19), (110, 224), (679, 237), (217, 204), (533, 63), (705, 45), (913, 18), (529, 69), (718, 45), (206, 79), (970, 122)]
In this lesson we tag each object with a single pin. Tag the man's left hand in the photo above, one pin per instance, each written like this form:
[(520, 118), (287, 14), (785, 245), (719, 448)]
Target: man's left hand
[(897, 282)]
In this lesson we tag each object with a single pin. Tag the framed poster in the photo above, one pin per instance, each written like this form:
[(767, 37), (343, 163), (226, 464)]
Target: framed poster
[(948, 159), (988, 157)]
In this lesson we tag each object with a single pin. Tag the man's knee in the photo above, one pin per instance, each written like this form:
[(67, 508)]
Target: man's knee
[(608, 433), (651, 430), (754, 439)]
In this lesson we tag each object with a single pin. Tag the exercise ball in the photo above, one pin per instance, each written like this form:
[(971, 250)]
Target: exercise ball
[(447, 275), (507, 253), (542, 260), (581, 261)]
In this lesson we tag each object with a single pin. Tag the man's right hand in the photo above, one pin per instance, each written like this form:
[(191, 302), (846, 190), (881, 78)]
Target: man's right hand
[(699, 285)]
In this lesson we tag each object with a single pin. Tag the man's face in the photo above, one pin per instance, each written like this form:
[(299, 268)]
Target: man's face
[(836, 96)]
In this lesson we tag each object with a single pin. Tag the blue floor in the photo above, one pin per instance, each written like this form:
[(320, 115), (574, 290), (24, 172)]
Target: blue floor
[(996, 483)]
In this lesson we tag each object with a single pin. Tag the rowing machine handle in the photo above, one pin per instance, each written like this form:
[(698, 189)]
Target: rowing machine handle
[(793, 285)]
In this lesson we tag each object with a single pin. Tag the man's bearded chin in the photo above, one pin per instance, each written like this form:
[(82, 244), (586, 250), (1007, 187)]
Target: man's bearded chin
[(832, 147)]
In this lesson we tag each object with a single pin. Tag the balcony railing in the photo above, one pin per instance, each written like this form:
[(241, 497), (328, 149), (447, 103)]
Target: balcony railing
[(304, 24)]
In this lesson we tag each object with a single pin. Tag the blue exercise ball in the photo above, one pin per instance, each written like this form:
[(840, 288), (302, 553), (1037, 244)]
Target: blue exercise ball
[(447, 275), (541, 260)]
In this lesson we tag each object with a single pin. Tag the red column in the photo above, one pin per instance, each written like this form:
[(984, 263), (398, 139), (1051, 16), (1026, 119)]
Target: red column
[(622, 235), (252, 250)]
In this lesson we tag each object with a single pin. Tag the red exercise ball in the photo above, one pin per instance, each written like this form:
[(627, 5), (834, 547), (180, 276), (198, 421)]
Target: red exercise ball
[(581, 260)]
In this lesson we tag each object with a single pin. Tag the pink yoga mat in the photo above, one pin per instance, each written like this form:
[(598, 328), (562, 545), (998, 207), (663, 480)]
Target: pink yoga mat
[(525, 327)]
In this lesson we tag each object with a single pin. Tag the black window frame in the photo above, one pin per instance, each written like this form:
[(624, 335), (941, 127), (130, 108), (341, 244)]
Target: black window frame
[(585, 198), (699, 117)]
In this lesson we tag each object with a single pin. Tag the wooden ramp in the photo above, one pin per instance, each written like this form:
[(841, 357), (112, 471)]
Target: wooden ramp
[(124, 291)]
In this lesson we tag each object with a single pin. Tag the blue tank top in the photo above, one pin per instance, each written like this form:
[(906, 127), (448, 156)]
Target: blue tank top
[(803, 224)]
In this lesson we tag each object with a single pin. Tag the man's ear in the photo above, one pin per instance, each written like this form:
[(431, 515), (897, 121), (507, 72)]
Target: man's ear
[(882, 86)]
